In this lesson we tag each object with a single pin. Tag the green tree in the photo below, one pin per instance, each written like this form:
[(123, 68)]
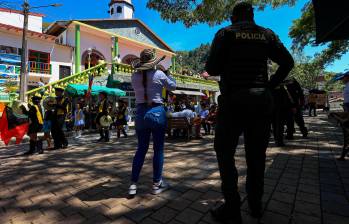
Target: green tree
[(331, 85), (306, 70), (214, 12), (303, 34), (194, 60)]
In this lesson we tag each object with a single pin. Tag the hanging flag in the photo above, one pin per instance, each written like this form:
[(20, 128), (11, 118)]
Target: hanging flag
[(12, 126), (90, 83)]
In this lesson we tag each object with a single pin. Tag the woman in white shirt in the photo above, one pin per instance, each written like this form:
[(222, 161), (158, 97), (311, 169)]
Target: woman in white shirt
[(148, 83)]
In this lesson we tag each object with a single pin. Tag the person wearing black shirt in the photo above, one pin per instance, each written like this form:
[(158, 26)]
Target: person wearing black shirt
[(239, 55), (58, 119), (296, 99), (102, 110), (35, 125)]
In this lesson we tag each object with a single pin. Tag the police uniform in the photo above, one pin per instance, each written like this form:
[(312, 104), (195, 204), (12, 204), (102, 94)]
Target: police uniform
[(36, 122), (296, 99), (239, 54), (58, 120), (281, 111), (102, 111)]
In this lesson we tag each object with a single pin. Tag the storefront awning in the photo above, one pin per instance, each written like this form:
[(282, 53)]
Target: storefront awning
[(187, 92), (332, 20), (80, 90)]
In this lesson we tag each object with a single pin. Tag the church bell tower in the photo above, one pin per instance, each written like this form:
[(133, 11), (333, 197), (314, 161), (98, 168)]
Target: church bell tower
[(121, 9)]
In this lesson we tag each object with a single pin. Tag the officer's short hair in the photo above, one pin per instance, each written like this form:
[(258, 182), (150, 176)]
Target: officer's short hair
[(242, 8)]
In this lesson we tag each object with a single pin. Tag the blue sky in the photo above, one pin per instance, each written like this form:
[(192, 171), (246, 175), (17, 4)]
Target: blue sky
[(177, 35)]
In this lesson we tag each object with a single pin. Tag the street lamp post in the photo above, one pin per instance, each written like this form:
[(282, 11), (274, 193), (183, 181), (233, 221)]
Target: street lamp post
[(24, 55), (180, 63), (89, 52), (24, 68)]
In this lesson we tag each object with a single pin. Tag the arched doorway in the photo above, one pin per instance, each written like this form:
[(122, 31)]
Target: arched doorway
[(95, 57), (128, 59)]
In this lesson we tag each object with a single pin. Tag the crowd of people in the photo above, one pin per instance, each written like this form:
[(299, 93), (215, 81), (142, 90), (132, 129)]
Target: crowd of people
[(200, 116), (56, 115)]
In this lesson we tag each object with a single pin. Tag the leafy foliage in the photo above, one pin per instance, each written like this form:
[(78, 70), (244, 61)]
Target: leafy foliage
[(303, 33), (193, 61), (306, 73), (212, 12), (332, 85)]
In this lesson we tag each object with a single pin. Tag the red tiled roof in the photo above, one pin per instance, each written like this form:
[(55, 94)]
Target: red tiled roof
[(30, 33), (20, 12)]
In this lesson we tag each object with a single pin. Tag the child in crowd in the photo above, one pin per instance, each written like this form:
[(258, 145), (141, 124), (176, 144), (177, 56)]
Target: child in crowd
[(48, 124), (79, 120), (121, 118)]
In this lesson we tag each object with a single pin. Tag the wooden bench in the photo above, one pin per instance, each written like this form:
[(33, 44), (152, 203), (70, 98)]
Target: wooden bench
[(342, 119), (181, 123)]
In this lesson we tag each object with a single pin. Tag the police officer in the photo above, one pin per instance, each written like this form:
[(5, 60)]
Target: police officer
[(281, 111), (36, 122), (296, 99), (239, 54), (58, 119), (102, 111)]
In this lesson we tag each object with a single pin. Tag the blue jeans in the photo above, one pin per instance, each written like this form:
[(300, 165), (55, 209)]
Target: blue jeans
[(146, 126)]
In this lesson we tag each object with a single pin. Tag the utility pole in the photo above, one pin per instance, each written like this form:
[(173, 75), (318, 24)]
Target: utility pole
[(24, 65), (24, 56)]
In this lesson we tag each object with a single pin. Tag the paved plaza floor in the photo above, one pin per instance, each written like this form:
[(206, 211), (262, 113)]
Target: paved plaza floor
[(88, 182)]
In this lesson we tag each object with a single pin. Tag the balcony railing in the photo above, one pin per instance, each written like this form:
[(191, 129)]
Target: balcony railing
[(122, 69), (183, 79), (81, 77), (39, 67)]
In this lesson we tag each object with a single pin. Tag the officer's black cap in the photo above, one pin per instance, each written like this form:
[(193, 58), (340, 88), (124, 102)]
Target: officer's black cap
[(242, 8)]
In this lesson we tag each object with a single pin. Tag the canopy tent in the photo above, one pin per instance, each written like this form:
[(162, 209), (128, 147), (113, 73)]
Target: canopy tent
[(80, 90), (339, 76), (332, 20), (187, 92)]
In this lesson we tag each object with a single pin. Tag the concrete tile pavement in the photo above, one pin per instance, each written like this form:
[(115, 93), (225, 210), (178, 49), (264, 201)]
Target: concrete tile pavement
[(88, 182)]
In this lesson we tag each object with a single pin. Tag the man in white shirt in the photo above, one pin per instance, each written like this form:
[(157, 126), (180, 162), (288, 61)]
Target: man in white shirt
[(189, 114)]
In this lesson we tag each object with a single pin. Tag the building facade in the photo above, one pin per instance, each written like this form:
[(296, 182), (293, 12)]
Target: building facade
[(71, 46)]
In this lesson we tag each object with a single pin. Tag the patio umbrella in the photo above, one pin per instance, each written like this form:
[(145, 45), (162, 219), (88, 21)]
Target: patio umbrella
[(332, 20)]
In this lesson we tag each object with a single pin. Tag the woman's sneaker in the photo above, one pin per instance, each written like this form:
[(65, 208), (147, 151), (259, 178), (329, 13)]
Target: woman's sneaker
[(159, 187), (132, 191)]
